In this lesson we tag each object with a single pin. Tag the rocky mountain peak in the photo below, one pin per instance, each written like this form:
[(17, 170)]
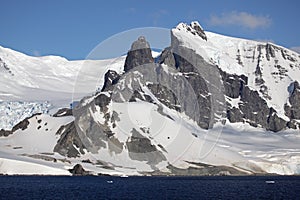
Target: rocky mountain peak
[(140, 43), (194, 28), (139, 54), (199, 30)]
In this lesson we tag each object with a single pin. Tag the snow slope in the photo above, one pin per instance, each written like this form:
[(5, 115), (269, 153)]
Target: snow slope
[(32, 85), (237, 145), (39, 139), (50, 77)]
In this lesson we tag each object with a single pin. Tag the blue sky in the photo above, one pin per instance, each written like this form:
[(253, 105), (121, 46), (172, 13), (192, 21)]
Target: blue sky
[(73, 28)]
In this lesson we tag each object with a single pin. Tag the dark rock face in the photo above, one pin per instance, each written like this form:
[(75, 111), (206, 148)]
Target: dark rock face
[(293, 124), (68, 140), (198, 30), (256, 111), (140, 148), (167, 58), (5, 133), (22, 124), (86, 132), (139, 144), (200, 89), (194, 99), (111, 77), (269, 51), (204, 80), (78, 170), (204, 100), (252, 109), (102, 101), (165, 96), (274, 123), (234, 115), (139, 54), (293, 110), (233, 84), (136, 95)]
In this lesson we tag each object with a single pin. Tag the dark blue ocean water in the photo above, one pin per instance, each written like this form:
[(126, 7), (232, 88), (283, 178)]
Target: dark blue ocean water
[(62, 187)]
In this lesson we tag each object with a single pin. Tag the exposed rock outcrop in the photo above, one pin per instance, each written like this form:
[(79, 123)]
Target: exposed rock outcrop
[(5, 133), (167, 58), (233, 84), (198, 29), (4, 66), (69, 141), (140, 148), (139, 54), (111, 77), (252, 108), (293, 109), (194, 28), (78, 170), (22, 125), (165, 96)]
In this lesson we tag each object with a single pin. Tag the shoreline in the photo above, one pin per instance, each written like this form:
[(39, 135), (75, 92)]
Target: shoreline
[(130, 176)]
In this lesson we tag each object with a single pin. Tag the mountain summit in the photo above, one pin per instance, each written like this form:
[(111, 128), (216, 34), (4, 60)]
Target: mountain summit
[(195, 28), (139, 54)]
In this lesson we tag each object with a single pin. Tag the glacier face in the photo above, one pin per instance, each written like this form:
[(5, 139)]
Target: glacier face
[(202, 107), (13, 112)]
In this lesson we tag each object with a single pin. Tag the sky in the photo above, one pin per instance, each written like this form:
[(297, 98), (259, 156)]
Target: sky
[(72, 28)]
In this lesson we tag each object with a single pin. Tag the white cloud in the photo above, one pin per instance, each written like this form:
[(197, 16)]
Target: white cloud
[(243, 19), (297, 49)]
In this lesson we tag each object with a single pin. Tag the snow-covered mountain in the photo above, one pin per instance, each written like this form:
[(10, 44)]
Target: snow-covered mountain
[(207, 105), (32, 85)]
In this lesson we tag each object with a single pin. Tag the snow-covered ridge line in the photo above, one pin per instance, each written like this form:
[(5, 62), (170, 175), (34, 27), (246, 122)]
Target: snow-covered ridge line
[(270, 68)]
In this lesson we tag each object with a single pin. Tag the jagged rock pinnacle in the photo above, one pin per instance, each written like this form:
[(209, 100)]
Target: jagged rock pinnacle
[(139, 54), (140, 43)]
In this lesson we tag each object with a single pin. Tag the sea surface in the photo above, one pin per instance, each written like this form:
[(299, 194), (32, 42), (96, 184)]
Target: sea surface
[(90, 187)]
